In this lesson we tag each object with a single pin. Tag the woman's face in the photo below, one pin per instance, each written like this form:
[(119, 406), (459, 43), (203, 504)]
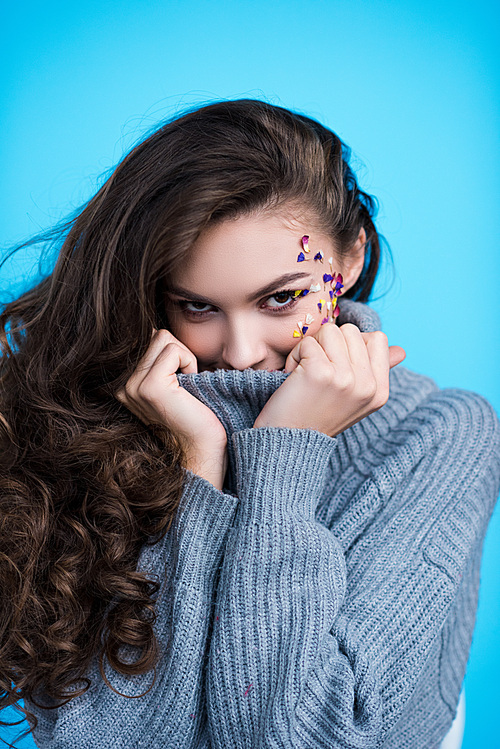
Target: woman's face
[(232, 305)]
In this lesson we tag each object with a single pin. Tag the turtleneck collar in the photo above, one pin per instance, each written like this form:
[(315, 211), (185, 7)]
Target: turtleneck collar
[(238, 396)]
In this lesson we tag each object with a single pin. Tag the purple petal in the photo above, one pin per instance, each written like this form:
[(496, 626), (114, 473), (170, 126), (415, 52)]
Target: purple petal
[(305, 327), (301, 257), (305, 291), (327, 277)]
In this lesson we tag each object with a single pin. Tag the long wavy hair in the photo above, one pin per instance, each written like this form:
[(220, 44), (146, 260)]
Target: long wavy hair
[(84, 484)]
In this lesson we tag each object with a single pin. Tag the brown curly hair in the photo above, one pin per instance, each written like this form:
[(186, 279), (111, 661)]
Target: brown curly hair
[(83, 483)]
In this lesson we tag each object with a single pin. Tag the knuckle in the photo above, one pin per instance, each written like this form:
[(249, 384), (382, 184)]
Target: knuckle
[(148, 389), (166, 338), (309, 343), (323, 375), (129, 390), (382, 397), (379, 335), (344, 381), (349, 326), (369, 390)]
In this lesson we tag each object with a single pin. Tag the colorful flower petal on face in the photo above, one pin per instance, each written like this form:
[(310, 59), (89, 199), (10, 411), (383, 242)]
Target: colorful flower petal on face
[(298, 333), (331, 294), (324, 320), (328, 305), (305, 240), (300, 257), (319, 256), (297, 293), (304, 329), (336, 312), (334, 303), (305, 292), (327, 277), (309, 318), (330, 260), (315, 287)]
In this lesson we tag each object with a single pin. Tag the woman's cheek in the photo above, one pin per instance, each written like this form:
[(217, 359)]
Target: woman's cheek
[(307, 322), (199, 341)]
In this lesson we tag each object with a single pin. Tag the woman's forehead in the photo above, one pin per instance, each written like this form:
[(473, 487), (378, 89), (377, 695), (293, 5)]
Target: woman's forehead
[(260, 245)]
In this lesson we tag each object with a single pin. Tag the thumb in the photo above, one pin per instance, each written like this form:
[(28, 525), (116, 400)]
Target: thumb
[(396, 355)]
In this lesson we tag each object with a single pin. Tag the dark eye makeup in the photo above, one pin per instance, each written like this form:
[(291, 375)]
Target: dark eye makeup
[(288, 293)]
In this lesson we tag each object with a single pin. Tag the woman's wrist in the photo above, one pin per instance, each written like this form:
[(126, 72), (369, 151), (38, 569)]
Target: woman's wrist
[(210, 465)]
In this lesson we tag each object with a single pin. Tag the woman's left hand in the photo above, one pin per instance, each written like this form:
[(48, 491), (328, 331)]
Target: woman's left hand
[(338, 376)]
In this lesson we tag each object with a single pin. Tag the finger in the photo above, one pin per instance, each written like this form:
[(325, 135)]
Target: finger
[(148, 400), (162, 373), (397, 354), (175, 357), (354, 344), (159, 341), (306, 349), (331, 342), (120, 395), (378, 351)]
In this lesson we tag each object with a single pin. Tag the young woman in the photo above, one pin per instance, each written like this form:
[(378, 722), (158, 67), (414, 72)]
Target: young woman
[(228, 518)]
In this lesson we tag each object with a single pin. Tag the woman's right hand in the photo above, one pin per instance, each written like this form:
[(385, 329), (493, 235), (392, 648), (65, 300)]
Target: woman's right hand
[(153, 394)]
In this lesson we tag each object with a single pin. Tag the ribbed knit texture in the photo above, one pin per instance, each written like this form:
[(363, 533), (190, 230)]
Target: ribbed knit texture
[(326, 598)]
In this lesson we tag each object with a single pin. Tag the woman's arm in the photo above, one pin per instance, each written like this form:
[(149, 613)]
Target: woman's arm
[(315, 645), (172, 714)]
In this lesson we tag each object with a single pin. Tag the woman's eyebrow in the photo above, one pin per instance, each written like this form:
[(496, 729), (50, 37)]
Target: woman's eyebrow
[(267, 289)]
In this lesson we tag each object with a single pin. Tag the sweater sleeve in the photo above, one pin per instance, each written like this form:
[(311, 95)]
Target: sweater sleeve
[(171, 714), (304, 654)]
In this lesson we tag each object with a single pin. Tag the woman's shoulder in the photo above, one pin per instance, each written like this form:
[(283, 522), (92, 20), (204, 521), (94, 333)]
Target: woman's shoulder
[(458, 408), (427, 418), (420, 418)]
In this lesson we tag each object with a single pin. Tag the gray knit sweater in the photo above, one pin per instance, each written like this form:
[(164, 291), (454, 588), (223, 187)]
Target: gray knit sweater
[(327, 596)]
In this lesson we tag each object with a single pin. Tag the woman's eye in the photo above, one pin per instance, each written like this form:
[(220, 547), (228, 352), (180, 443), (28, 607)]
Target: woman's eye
[(284, 299), (198, 306)]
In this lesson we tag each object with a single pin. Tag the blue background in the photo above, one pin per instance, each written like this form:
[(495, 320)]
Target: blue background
[(411, 87)]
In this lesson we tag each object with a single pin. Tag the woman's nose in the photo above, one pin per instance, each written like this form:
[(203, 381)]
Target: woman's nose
[(242, 346)]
